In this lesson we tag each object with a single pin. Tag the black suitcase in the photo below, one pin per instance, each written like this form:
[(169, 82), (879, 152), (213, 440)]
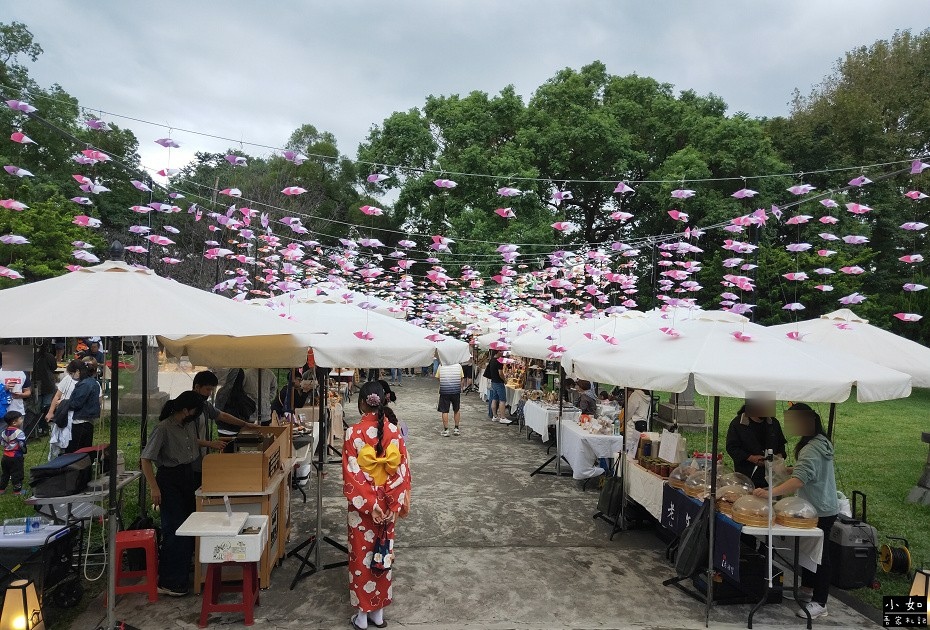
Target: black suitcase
[(853, 549), (65, 475)]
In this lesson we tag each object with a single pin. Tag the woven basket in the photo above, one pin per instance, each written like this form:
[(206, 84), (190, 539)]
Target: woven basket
[(676, 483), (752, 520), (798, 523), (725, 507)]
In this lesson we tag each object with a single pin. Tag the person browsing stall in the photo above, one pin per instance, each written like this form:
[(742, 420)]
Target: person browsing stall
[(376, 484), (587, 402), (497, 391), (813, 477), (172, 448), (450, 395), (85, 407), (204, 385)]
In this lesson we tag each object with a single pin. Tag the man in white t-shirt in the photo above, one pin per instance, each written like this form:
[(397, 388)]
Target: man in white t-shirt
[(450, 395), (19, 386)]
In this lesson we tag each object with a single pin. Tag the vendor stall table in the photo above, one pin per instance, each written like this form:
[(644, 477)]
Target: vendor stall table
[(62, 509), (806, 544), (50, 556), (274, 502), (582, 449), (513, 395), (539, 417), (644, 487)]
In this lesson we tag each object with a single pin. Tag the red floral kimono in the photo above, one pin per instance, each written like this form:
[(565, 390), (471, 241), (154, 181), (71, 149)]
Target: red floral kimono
[(369, 480)]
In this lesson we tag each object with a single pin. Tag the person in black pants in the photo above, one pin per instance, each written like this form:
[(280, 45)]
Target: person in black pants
[(172, 448), (85, 408)]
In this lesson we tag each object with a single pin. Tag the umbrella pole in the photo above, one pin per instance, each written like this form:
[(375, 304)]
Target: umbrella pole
[(115, 344), (831, 421), (713, 514), (143, 438)]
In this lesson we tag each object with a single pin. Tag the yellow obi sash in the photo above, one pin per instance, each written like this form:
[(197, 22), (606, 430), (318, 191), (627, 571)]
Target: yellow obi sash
[(380, 468)]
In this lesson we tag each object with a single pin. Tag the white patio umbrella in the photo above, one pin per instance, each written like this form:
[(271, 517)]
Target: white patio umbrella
[(845, 332), (117, 300), (535, 342), (333, 293)]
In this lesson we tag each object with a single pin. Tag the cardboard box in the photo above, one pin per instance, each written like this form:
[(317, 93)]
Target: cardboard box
[(243, 547), (248, 471)]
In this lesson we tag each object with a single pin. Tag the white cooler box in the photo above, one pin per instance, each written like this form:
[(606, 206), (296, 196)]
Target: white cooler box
[(239, 548)]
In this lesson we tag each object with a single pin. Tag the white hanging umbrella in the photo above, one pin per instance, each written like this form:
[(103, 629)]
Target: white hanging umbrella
[(723, 365), (117, 300), (843, 331)]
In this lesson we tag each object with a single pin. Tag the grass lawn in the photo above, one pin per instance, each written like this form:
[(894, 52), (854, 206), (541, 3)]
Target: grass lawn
[(878, 452), (13, 506)]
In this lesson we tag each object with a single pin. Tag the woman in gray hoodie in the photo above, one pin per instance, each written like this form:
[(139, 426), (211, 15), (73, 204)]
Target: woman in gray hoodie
[(813, 478)]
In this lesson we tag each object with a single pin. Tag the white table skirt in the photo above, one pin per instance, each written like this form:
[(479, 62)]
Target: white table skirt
[(582, 449), (483, 386), (645, 488), (513, 398), (809, 541), (540, 417)]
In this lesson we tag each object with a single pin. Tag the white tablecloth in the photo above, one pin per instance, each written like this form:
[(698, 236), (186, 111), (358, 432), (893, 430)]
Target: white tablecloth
[(483, 386), (513, 395), (582, 449), (539, 417), (810, 542), (645, 488)]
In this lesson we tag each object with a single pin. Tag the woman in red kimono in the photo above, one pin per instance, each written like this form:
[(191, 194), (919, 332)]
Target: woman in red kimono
[(376, 482)]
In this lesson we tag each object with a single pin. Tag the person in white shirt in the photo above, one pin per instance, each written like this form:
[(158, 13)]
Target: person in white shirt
[(19, 386), (450, 395), (59, 437), (638, 408)]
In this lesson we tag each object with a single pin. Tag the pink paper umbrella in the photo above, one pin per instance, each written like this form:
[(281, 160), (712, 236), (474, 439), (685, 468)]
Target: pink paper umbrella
[(741, 336), (682, 193), (296, 157), (12, 204), (825, 253), (170, 261), (917, 167), (21, 138), (168, 143), (435, 337), (236, 160), (621, 216), (745, 193), (505, 213), (93, 154), (829, 203), (910, 286), (159, 240), (908, 317), (140, 229), (364, 335), (14, 239), (140, 185), (799, 219), (293, 190), (564, 226), (21, 106), (852, 298), (509, 192), (231, 192), (912, 258), (6, 272), (372, 211), (678, 215), (855, 240), (795, 276), (622, 188), (824, 287), (169, 172), (793, 306), (858, 208), (862, 180), (828, 220), (795, 335), (828, 237), (96, 124), (916, 195), (141, 209), (136, 249), (915, 226), (798, 247), (85, 221), (801, 189), (853, 270), (444, 183), (824, 271), (82, 201), (376, 178)]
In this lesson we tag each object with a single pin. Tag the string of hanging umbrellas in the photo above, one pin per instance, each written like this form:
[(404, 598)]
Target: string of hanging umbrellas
[(440, 244)]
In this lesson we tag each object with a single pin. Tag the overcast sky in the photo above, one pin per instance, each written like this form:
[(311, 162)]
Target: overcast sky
[(257, 70)]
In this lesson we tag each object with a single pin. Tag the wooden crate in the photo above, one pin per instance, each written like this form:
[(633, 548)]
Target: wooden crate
[(267, 503), (248, 472)]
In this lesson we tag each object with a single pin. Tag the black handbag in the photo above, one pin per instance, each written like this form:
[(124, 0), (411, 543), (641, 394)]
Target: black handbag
[(608, 503), (60, 417)]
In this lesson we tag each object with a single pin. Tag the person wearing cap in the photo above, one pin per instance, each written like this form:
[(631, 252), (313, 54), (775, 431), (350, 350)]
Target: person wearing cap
[(813, 477)]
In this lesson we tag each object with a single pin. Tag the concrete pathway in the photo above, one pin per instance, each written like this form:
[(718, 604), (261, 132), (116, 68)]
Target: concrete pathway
[(485, 546)]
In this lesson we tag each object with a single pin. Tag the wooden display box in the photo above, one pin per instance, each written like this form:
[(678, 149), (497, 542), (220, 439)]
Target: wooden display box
[(266, 503), (248, 471)]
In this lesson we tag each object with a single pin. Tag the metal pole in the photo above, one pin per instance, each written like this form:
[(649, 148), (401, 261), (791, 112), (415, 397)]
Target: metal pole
[(143, 439), (558, 431), (115, 344), (713, 514), (323, 453), (831, 421)]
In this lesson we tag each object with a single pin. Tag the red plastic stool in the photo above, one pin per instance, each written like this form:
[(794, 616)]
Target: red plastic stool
[(214, 586), (135, 539)]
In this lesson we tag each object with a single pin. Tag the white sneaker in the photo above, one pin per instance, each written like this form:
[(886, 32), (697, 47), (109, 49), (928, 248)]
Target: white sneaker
[(445, 433), (456, 431), (816, 610), (505, 421)]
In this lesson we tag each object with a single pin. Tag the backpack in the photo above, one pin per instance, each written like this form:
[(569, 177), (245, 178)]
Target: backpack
[(239, 404), (694, 544)]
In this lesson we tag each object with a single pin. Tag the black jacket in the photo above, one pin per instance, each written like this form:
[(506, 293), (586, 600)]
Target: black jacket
[(753, 439)]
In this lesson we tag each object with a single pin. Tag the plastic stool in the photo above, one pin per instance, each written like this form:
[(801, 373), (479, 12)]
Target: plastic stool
[(136, 539), (214, 586)]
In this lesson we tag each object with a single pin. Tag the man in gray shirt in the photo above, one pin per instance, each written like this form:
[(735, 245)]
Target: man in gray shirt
[(204, 385)]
